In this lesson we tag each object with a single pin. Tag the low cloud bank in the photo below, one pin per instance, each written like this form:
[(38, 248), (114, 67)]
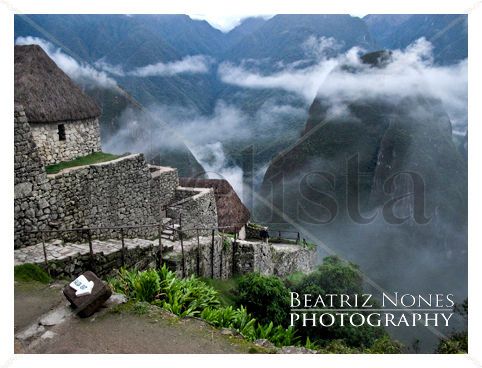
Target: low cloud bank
[(411, 72), (196, 64), (82, 73), (101, 73)]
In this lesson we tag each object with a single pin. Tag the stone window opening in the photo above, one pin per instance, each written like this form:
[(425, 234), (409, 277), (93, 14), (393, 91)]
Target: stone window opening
[(61, 132)]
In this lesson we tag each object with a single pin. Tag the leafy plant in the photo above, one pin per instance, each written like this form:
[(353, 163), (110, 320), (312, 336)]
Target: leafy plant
[(146, 286), (310, 345), (264, 296), (385, 345)]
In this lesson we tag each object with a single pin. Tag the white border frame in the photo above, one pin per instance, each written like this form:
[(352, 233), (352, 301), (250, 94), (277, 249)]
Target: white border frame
[(248, 7)]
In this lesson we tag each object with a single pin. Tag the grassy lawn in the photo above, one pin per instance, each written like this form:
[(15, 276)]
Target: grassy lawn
[(30, 272), (92, 158)]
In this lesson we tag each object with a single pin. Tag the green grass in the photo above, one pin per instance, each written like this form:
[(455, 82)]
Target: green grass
[(92, 158), (31, 272)]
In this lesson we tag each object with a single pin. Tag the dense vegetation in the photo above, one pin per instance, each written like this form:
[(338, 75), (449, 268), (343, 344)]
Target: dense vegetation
[(93, 158), (457, 342), (257, 306), (192, 297), (266, 296), (335, 276)]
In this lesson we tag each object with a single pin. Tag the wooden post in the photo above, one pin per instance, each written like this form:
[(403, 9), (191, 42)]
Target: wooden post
[(123, 247), (159, 251), (91, 250), (198, 255), (45, 253), (212, 255)]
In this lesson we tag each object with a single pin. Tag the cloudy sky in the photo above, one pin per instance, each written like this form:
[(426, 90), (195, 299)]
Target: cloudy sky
[(226, 22)]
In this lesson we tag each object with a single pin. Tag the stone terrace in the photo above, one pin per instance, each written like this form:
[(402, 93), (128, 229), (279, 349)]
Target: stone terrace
[(67, 259)]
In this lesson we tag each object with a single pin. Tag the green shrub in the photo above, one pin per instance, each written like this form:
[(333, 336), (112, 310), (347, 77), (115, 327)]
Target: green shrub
[(339, 347), (226, 289), (335, 276), (186, 297), (31, 272), (183, 297), (385, 345), (240, 320), (147, 286), (265, 297), (228, 317), (457, 342)]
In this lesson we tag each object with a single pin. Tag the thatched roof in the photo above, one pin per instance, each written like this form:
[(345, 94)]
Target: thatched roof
[(45, 91), (232, 213)]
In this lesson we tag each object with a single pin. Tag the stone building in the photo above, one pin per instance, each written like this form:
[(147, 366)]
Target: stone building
[(232, 213), (63, 120)]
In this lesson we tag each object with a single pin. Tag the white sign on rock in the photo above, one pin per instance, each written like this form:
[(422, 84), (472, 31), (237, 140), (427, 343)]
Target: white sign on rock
[(82, 286)]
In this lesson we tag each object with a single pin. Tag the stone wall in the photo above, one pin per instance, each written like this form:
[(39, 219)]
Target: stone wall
[(249, 256), (108, 194), (253, 256), (273, 259), (122, 192), (208, 250), (253, 231), (81, 138), (288, 259), (197, 206), (212, 257), (31, 185), (164, 181)]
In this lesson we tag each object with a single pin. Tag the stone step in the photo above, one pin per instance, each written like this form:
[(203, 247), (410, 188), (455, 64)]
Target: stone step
[(166, 220)]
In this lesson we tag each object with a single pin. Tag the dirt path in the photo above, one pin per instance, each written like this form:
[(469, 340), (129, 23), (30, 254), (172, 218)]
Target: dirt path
[(32, 300), (129, 328)]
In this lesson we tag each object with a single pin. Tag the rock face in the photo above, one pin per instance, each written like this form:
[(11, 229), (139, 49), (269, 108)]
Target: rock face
[(360, 161), (80, 138)]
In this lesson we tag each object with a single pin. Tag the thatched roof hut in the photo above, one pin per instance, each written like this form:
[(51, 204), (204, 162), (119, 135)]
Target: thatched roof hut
[(46, 92), (232, 213)]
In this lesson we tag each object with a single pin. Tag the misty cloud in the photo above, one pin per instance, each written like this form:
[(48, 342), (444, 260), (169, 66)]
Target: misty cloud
[(82, 73), (165, 127), (196, 64), (411, 72), (304, 82), (321, 47), (217, 166)]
